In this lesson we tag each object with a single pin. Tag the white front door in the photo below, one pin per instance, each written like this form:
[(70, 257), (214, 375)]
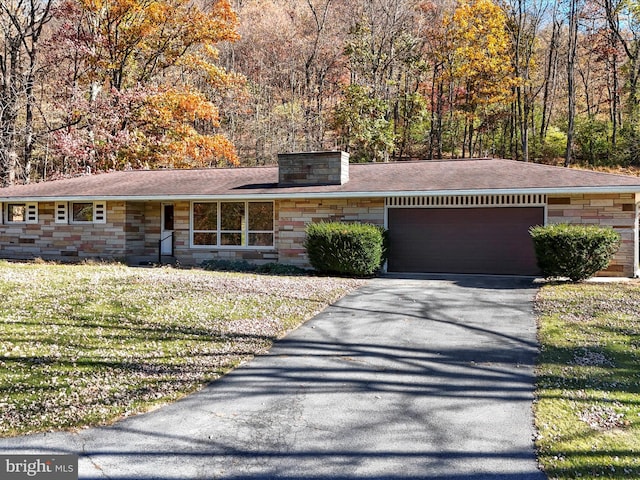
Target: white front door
[(166, 231)]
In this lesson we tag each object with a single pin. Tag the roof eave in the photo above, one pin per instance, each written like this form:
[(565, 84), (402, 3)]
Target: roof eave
[(613, 189)]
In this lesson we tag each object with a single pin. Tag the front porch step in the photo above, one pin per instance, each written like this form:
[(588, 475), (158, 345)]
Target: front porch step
[(150, 260), (169, 260)]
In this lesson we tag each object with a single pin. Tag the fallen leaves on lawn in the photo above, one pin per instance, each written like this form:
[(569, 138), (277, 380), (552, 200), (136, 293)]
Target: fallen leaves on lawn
[(88, 344), (589, 358), (601, 417)]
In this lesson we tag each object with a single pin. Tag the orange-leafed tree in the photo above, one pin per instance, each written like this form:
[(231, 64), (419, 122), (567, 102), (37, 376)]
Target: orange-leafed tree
[(172, 115), (135, 82)]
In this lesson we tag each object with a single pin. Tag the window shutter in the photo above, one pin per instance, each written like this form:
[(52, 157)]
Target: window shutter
[(62, 212), (100, 212), (31, 215)]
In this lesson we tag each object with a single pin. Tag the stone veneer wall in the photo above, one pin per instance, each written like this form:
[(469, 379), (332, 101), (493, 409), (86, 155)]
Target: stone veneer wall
[(118, 237), (133, 228), (612, 210), (291, 218), (294, 215), (152, 212)]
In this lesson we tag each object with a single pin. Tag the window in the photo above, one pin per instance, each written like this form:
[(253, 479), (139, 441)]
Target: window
[(16, 212), (260, 224), (21, 212), (205, 223), (82, 212), (232, 224)]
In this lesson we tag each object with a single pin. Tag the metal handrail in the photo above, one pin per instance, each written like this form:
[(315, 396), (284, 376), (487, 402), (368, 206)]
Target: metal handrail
[(160, 242)]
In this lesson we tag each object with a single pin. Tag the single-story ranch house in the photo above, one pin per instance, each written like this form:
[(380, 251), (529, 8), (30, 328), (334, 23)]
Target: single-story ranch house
[(451, 216)]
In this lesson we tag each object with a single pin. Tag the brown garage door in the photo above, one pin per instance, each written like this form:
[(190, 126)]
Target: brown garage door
[(457, 240)]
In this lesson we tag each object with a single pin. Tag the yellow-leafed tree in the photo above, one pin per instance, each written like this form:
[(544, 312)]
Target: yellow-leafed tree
[(480, 66)]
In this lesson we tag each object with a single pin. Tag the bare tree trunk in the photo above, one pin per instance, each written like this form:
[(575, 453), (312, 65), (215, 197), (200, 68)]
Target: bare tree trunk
[(631, 47), (439, 119), (435, 134), (314, 79), (571, 58), (513, 144), (9, 107), (21, 25), (521, 120), (550, 75), (615, 97), (464, 139), (37, 20)]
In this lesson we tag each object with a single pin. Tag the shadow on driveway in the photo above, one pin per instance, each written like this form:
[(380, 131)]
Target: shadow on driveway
[(406, 378)]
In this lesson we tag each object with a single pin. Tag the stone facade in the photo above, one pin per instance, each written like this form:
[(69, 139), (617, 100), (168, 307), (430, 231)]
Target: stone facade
[(132, 230), (618, 211), (294, 215), (291, 219), (72, 242)]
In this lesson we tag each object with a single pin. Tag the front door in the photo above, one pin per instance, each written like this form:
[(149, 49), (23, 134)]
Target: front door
[(166, 232)]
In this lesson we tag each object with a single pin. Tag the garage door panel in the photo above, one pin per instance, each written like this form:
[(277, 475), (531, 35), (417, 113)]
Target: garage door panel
[(452, 240)]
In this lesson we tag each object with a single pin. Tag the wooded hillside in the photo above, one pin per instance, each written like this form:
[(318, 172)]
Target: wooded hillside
[(90, 85)]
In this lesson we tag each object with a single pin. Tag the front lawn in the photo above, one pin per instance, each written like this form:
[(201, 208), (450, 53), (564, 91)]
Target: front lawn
[(588, 387), (87, 344)]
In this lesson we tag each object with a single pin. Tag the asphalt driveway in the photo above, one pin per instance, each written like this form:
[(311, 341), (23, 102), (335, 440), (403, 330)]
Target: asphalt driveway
[(407, 378)]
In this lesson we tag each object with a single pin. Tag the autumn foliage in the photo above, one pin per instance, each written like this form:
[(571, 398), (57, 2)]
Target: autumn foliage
[(109, 84), (132, 99)]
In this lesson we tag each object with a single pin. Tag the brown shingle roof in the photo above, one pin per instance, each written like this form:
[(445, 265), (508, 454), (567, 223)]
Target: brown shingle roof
[(378, 179)]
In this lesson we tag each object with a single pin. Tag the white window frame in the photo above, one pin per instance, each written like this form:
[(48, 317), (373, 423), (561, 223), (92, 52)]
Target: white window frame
[(30, 213), (191, 224), (244, 233), (61, 212), (248, 232), (99, 213)]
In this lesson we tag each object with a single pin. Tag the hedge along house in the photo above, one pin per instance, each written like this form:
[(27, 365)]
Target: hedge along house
[(453, 216)]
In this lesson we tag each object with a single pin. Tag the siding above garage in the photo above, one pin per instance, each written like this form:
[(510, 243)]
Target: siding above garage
[(460, 201)]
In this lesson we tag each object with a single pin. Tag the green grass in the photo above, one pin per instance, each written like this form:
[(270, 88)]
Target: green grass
[(588, 388), (87, 344)]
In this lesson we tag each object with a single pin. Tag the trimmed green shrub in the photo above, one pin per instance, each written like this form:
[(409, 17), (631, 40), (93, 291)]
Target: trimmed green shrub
[(242, 266), (345, 248), (224, 265), (573, 251), (280, 269)]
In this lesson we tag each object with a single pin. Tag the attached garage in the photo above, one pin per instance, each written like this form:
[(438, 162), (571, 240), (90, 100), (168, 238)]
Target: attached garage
[(463, 239)]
